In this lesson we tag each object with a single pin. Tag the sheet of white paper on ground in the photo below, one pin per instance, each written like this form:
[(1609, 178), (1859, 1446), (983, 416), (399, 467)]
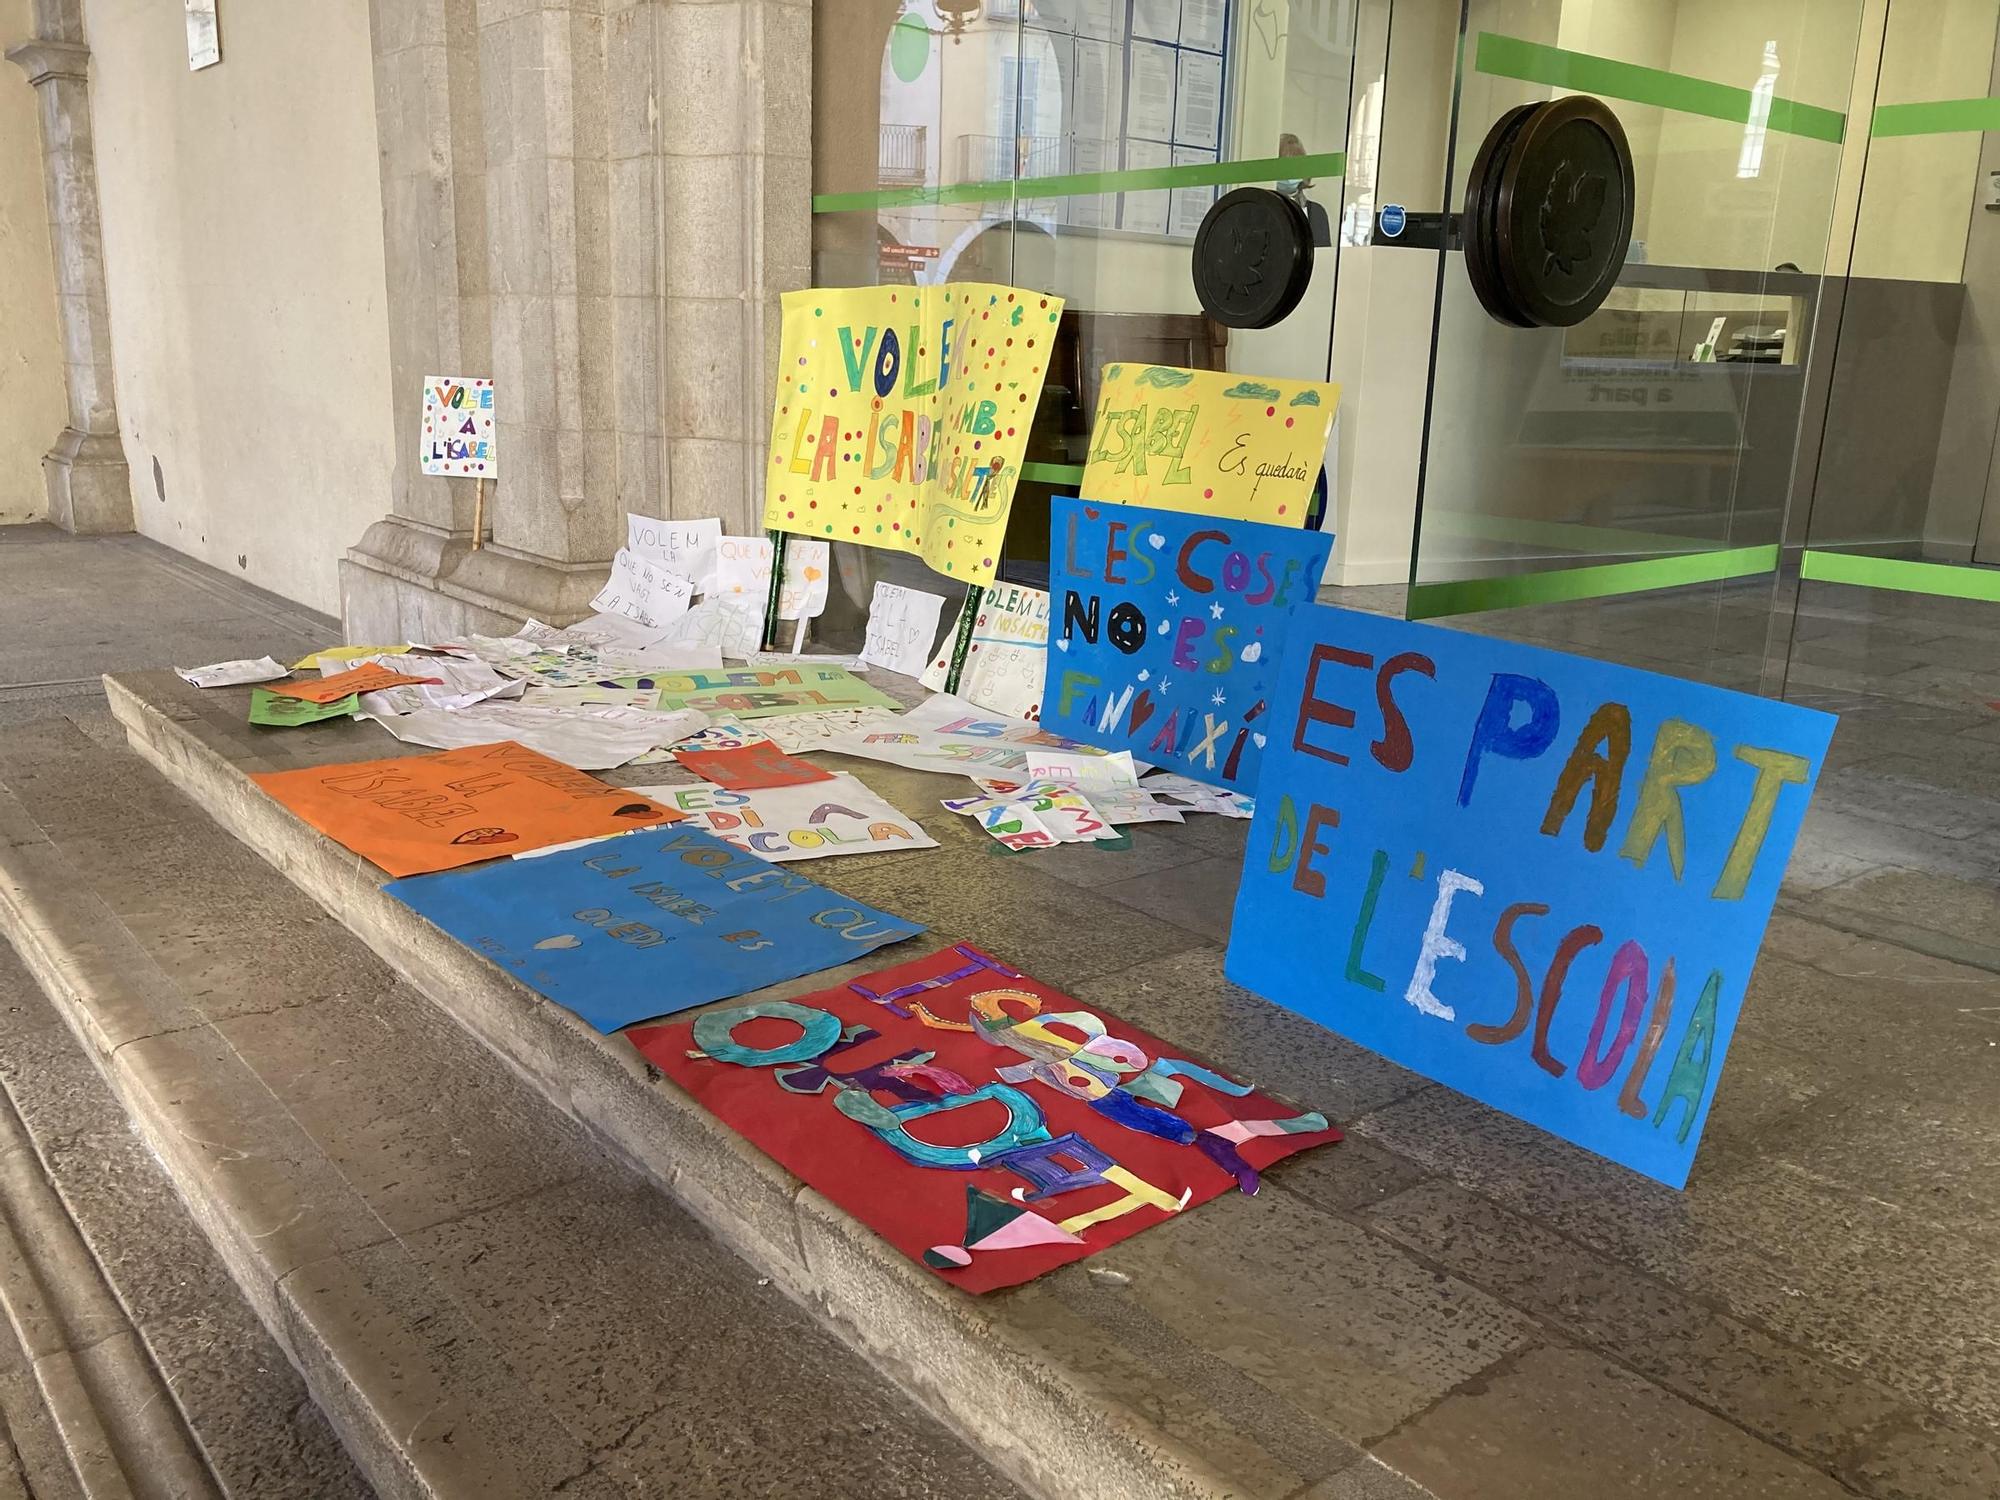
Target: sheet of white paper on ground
[(803, 658), (592, 695), (902, 627), (1118, 806), (460, 684), (1007, 657), (644, 591), (783, 823), (591, 739), (718, 736), (1198, 796), (1057, 806), (684, 547), (232, 673), (1088, 772), (1016, 827), (945, 733), (798, 734)]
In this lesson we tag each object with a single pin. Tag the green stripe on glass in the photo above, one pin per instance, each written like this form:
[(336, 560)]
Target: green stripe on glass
[(1531, 62), (1053, 473), (1431, 601), (1936, 117), (1945, 580), (1089, 184)]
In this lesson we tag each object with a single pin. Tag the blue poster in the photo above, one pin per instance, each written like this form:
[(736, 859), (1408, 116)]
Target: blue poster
[(1165, 630), (628, 928), (1538, 879)]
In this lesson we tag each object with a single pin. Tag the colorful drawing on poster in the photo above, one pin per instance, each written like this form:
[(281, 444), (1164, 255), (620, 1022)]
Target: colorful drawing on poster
[(369, 677), (902, 627), (902, 415), (458, 427), (839, 815), (419, 813), (1007, 655), (1169, 632), (753, 693), (1209, 442), (280, 711), (625, 929), (1052, 807), (1108, 1130), (1538, 879), (750, 767), (943, 733)]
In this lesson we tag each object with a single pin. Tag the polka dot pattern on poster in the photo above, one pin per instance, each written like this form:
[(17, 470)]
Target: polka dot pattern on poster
[(903, 415), (457, 437)]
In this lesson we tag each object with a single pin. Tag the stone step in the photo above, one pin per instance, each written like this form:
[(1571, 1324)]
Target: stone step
[(1182, 1364), (482, 1299), (134, 1368)]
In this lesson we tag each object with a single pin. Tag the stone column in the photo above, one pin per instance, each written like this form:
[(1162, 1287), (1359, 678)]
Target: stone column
[(90, 486), (597, 202)]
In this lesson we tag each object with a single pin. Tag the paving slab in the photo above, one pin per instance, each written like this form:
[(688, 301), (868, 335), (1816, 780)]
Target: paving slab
[(1162, 1347)]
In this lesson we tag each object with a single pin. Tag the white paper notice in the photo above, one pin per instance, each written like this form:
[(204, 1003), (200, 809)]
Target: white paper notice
[(1152, 94), (1007, 657), (1190, 204), (1157, 18), (1201, 24), (1146, 213), (460, 684), (683, 547), (902, 625), (644, 591), (233, 673), (1104, 19), (1092, 210), (1198, 101), (782, 823), (591, 739), (1097, 103)]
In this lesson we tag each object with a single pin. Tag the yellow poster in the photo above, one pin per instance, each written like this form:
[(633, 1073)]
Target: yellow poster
[(902, 415), (1209, 441)]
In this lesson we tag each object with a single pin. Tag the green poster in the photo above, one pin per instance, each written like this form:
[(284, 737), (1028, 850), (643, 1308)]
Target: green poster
[(277, 709)]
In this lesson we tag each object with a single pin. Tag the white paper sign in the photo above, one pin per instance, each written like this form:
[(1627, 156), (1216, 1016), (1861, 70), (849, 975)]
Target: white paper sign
[(799, 734), (743, 570), (1061, 809), (591, 739), (902, 626), (783, 823), (1088, 771), (644, 591), (683, 547), (1006, 659), (460, 684), (458, 426), (233, 673), (945, 734)]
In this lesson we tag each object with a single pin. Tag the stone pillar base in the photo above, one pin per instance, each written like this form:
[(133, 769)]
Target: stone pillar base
[(90, 484), (406, 581)]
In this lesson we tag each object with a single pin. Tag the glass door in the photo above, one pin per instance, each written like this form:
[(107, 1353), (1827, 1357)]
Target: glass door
[(1073, 147), (1619, 486)]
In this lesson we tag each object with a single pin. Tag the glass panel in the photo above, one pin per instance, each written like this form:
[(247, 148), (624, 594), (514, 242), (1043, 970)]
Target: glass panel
[(1620, 487), (1898, 613), (1073, 146)]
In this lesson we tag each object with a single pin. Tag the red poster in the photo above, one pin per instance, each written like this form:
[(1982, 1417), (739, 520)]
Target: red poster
[(369, 677), (749, 768), (981, 1122)]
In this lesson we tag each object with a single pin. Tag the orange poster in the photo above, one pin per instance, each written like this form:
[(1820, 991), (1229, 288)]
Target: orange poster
[(418, 813), (371, 677)]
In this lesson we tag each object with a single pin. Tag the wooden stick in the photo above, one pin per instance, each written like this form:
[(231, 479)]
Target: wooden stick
[(479, 513)]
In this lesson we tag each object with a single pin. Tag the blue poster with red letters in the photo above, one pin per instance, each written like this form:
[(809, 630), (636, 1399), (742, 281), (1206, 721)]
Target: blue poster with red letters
[(1165, 631), (1539, 879)]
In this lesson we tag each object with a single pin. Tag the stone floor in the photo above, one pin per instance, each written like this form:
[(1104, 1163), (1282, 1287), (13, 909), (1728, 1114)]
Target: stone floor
[(1490, 1311)]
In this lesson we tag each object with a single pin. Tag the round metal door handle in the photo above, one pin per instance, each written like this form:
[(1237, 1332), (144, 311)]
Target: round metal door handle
[(1549, 210), (1253, 258)]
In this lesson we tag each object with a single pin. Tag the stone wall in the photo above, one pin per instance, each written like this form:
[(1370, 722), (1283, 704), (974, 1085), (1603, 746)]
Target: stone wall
[(32, 408)]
